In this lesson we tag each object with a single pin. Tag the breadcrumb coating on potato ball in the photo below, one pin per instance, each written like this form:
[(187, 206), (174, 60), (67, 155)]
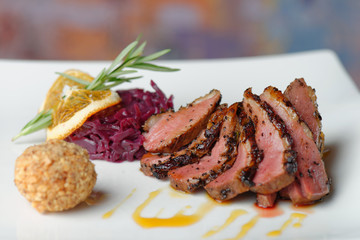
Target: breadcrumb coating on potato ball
[(55, 175)]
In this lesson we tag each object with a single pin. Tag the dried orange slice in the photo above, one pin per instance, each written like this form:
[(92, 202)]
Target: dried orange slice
[(78, 105), (60, 85)]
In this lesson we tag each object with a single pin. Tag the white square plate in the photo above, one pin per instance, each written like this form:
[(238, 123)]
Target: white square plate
[(25, 83)]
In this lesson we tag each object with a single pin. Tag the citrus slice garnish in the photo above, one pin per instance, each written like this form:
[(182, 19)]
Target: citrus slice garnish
[(60, 85), (77, 106)]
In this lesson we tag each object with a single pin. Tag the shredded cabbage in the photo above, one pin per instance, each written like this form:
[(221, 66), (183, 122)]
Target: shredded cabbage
[(115, 134)]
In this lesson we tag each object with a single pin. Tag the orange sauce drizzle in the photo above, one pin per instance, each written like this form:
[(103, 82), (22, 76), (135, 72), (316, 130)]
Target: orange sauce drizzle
[(233, 216), (110, 213), (293, 216), (178, 220), (246, 228)]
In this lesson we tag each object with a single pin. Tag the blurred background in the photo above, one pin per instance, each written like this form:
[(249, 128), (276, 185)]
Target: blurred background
[(193, 29)]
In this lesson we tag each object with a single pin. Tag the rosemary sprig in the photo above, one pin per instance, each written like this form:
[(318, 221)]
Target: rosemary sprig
[(130, 57)]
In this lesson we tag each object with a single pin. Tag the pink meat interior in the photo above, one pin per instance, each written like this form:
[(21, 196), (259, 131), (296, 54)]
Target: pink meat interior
[(269, 140), (171, 124)]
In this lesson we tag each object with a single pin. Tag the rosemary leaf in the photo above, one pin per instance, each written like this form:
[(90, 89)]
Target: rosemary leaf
[(122, 54), (41, 121), (119, 81), (98, 81), (153, 67), (138, 51), (121, 72), (124, 79), (75, 79), (153, 56)]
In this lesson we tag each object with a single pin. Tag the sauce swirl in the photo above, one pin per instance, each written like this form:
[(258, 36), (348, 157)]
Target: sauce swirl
[(233, 216), (293, 216), (110, 213), (182, 219), (246, 228), (178, 220)]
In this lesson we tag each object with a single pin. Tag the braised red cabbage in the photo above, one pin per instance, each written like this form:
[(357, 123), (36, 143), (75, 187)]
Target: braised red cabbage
[(115, 134)]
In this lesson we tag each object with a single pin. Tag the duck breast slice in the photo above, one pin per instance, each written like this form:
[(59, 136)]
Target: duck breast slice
[(278, 166), (238, 178), (303, 99), (168, 132)]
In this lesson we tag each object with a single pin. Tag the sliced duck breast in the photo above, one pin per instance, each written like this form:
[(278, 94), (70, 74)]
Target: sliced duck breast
[(311, 172), (278, 166), (168, 132), (193, 152), (190, 177), (238, 178), (303, 99)]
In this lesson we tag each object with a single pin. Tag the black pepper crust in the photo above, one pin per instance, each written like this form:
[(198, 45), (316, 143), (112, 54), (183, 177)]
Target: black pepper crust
[(248, 134), (290, 155), (195, 150), (227, 158), (224, 193)]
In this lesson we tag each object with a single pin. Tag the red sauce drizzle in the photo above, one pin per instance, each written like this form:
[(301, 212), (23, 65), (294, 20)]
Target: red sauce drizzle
[(268, 212)]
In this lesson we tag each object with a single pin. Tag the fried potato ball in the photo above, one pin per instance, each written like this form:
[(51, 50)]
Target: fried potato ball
[(55, 175)]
